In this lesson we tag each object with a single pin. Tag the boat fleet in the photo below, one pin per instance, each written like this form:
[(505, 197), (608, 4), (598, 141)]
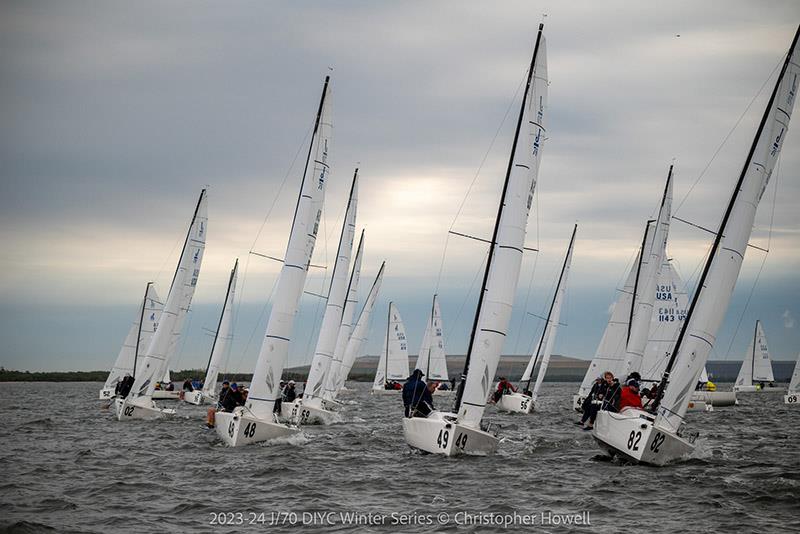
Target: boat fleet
[(656, 330)]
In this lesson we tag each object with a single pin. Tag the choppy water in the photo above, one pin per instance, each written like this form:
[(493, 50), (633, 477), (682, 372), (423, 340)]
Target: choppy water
[(67, 465)]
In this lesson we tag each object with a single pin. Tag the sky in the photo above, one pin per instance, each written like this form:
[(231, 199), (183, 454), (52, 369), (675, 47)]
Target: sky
[(117, 114)]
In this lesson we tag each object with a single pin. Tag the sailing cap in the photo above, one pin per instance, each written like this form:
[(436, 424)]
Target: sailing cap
[(633, 383), (291, 382), (234, 386)]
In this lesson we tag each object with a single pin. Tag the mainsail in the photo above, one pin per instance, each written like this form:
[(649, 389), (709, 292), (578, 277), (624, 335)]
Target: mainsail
[(393, 363), (222, 338), (162, 346), (756, 364), (718, 279), (137, 340), (431, 358), (264, 389), (508, 240), (794, 384), (335, 302), (545, 346)]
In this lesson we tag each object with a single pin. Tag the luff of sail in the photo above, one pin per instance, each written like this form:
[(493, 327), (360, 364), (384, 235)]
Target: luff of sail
[(715, 286), (794, 383), (360, 333), (649, 270), (546, 343), (156, 362), (335, 302), (223, 337), (264, 389), (147, 314), (505, 256), (346, 327)]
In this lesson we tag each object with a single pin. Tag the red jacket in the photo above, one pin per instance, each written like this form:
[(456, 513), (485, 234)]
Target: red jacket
[(629, 398)]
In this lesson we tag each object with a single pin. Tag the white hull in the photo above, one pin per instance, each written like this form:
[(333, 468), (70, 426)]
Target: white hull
[(386, 391), (128, 411), (717, 399), (699, 406), (632, 436), (746, 389), (312, 414), (515, 403), (236, 429), (166, 395), (197, 398), (791, 398), (440, 434), (577, 403), (106, 393)]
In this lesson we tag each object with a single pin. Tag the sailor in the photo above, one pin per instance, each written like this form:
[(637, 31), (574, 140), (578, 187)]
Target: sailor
[(590, 399), (118, 386), (227, 398), (417, 398), (629, 396), (289, 393), (170, 387), (503, 387), (605, 398), (125, 386), (187, 385)]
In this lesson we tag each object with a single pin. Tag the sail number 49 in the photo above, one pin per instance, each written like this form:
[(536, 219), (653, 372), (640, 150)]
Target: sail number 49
[(444, 437)]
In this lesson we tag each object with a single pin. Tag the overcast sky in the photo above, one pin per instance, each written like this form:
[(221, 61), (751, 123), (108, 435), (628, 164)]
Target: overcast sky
[(116, 114)]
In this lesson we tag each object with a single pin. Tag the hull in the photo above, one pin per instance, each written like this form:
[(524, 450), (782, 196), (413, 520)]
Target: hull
[(717, 399), (577, 403), (791, 398), (106, 393), (442, 392), (310, 414), (166, 395), (746, 389), (699, 406), (386, 391), (196, 397), (440, 434), (515, 403), (236, 429), (632, 436), (144, 410)]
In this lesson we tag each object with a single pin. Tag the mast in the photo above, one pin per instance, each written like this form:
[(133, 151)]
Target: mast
[(701, 284), (139, 333), (552, 304), (222, 315), (386, 362), (753, 363), (638, 272), (493, 243)]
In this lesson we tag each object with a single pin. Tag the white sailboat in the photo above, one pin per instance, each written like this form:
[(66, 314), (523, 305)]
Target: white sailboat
[(393, 363), (756, 370), (256, 421), (524, 401), (793, 394), (431, 358), (310, 408), (137, 340), (356, 340), (462, 432), (638, 435), (165, 390), (219, 348), (163, 345)]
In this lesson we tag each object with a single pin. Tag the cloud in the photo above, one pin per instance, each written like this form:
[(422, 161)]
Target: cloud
[(788, 319)]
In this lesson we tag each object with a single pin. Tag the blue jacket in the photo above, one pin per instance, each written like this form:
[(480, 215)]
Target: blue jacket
[(415, 392)]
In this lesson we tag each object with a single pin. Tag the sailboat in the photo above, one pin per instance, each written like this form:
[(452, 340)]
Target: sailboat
[(793, 395), (524, 401), (163, 345), (139, 335), (462, 432), (355, 342), (629, 330), (638, 435), (756, 367), (219, 348), (393, 363), (311, 405), (256, 421), (165, 390), (431, 358)]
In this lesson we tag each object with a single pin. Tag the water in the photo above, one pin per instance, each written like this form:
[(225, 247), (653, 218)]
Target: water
[(67, 465)]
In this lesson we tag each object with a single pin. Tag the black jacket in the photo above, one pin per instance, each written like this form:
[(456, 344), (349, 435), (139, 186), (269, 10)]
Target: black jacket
[(416, 397)]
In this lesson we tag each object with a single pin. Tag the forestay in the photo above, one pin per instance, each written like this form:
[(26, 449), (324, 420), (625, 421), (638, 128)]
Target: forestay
[(147, 314), (756, 364), (359, 335), (162, 345), (223, 337), (431, 358), (335, 302), (716, 284), (264, 389), (393, 363), (330, 390), (505, 256)]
